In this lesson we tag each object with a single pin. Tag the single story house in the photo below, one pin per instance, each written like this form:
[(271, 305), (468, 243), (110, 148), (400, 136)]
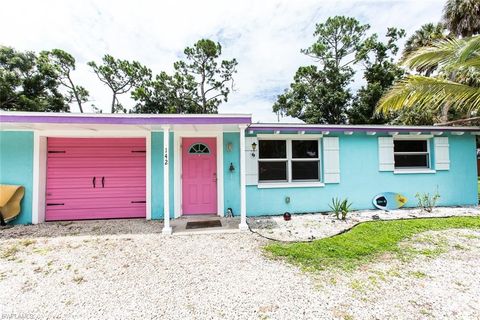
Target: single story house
[(98, 166)]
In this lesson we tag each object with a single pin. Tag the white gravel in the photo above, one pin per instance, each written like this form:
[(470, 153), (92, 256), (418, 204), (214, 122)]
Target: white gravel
[(128, 270), (320, 225)]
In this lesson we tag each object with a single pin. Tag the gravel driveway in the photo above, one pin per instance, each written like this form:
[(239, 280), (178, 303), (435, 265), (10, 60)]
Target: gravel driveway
[(128, 270)]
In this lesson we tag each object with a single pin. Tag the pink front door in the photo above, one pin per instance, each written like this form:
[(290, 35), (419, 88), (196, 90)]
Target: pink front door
[(95, 178), (199, 176)]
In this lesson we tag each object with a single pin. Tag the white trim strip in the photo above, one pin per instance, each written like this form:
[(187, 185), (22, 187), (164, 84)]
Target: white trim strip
[(36, 178), (166, 181), (148, 144), (412, 171), (243, 185), (264, 185)]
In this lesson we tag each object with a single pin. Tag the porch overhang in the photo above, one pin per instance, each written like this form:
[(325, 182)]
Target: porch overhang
[(130, 122)]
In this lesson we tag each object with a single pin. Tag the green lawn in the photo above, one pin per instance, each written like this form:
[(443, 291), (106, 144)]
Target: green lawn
[(363, 243)]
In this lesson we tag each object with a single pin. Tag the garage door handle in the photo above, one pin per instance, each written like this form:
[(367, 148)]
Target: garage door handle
[(93, 181), (103, 182)]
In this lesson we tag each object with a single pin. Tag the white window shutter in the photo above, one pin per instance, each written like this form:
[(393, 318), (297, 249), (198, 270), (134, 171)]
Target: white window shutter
[(251, 164), (331, 160), (386, 161), (442, 154)]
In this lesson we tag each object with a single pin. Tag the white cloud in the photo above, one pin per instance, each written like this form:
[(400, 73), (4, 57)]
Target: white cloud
[(264, 36)]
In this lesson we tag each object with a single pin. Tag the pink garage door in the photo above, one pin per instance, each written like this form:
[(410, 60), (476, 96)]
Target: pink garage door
[(90, 178), (199, 176)]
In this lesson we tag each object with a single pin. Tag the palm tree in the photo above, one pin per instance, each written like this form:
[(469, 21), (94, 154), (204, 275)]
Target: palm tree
[(457, 60), (462, 17), (423, 37)]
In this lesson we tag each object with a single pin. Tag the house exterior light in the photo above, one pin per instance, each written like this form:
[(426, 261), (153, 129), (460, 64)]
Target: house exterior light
[(254, 147)]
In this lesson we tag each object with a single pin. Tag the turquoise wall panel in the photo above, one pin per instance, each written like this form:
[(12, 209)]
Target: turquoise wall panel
[(231, 184), (361, 180), (157, 175), (16, 167)]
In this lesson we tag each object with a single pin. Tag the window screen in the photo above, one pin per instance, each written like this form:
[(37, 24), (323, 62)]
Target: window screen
[(411, 154)]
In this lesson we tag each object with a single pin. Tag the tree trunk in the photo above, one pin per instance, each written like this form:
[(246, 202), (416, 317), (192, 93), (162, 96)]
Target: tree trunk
[(444, 114), (78, 101), (113, 101), (75, 93), (202, 91)]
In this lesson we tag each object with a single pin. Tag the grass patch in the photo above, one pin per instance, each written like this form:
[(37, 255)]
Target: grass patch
[(27, 242), (78, 279), (418, 274), (364, 242), (42, 251), (10, 253)]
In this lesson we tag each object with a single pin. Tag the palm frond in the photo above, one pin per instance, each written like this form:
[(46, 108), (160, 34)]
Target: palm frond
[(422, 91), (450, 53), (474, 62), (441, 52), (471, 50)]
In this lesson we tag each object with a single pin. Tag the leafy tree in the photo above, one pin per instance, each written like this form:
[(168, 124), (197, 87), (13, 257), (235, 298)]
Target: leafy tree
[(381, 71), (200, 83), (459, 94), (61, 64), (211, 77), (26, 87), (321, 94), (166, 94), (120, 76), (462, 17)]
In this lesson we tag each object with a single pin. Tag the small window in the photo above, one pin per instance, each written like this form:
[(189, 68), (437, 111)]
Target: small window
[(272, 162), (305, 170), (272, 171), (288, 161), (411, 154), (305, 149), (305, 160), (199, 148), (273, 149)]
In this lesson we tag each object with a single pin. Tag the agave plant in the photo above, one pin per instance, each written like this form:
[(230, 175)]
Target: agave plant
[(340, 208), (457, 84)]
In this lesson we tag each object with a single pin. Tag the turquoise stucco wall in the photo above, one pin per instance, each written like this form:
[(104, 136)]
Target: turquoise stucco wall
[(360, 180), (157, 175), (231, 184), (16, 167)]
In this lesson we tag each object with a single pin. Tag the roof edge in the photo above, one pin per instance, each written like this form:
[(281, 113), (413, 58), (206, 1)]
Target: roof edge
[(133, 119), (358, 128)]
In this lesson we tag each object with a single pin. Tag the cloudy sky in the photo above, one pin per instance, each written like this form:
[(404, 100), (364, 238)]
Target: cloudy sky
[(264, 36)]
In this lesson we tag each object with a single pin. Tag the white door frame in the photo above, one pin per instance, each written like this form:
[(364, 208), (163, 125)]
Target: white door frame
[(177, 158), (40, 163)]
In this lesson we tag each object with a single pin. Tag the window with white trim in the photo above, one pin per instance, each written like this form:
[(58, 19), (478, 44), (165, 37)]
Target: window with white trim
[(411, 154), (289, 160)]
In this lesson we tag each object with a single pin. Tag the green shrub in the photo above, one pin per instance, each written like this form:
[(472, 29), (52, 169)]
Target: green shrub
[(426, 201), (340, 208)]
